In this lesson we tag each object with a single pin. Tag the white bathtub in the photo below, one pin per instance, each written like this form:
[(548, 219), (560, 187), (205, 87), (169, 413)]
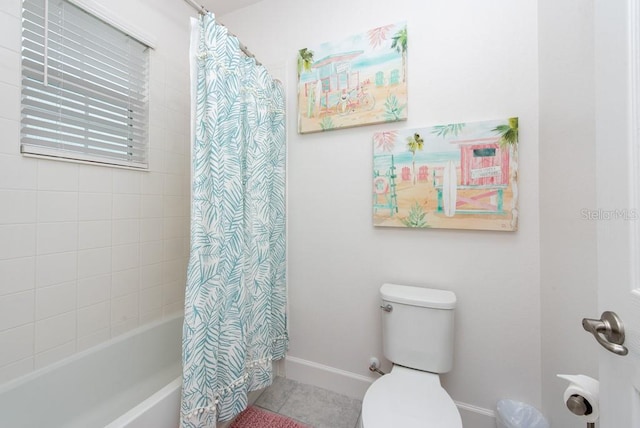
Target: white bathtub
[(132, 381)]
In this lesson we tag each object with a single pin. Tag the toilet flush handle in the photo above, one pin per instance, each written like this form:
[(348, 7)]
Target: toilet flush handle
[(386, 308)]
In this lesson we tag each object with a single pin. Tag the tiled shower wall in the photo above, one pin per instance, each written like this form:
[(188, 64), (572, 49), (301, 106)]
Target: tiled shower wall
[(89, 252)]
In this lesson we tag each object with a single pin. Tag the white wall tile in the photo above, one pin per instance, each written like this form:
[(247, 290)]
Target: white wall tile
[(177, 143), (18, 240), (94, 290), (152, 183), (150, 300), (151, 229), (158, 123), (94, 234), (151, 275), (9, 66), (94, 339), (173, 292), (15, 370), (94, 206), (152, 315), (176, 227), (157, 133), (176, 101), (94, 262), (55, 331), (10, 95), (11, 7), (18, 206), (17, 275), (18, 172), (56, 175), (174, 249), (120, 328), (57, 206), (10, 141), (56, 268), (126, 206), (152, 206), (57, 237), (156, 160), (55, 354), (16, 309), (125, 232), (127, 181), (175, 163), (173, 206), (151, 252), (55, 300), (95, 179), (173, 185), (124, 308), (10, 34), (125, 257), (178, 123), (175, 270), (16, 344), (94, 318), (172, 309), (125, 282)]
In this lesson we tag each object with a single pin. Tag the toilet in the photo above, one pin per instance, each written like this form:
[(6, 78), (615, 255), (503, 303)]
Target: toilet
[(417, 336)]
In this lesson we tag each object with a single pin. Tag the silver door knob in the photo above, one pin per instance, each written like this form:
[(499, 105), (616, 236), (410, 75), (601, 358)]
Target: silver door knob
[(608, 331)]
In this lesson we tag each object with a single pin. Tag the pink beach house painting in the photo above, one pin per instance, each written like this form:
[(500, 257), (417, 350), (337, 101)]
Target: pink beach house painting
[(455, 176)]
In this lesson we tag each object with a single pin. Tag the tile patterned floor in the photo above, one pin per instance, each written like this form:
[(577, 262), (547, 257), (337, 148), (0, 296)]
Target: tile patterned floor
[(310, 405)]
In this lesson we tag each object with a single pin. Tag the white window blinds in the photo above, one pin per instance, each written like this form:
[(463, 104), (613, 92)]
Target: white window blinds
[(84, 87)]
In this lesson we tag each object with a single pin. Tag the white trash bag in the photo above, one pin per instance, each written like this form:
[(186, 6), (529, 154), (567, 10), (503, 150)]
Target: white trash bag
[(514, 414)]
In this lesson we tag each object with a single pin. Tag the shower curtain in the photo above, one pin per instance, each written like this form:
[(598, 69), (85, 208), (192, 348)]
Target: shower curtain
[(235, 321)]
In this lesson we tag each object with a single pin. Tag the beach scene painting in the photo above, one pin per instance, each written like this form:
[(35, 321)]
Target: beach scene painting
[(455, 176), (360, 80)]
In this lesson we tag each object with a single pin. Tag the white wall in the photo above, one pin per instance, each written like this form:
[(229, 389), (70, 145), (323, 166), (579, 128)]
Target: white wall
[(89, 252), (567, 185), (468, 61)]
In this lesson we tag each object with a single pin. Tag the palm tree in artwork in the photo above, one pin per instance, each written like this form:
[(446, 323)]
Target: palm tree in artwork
[(385, 140), (400, 44), (508, 133), (305, 60), (414, 143)]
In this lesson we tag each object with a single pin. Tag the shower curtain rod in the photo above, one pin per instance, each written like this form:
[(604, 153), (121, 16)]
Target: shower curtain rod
[(203, 11)]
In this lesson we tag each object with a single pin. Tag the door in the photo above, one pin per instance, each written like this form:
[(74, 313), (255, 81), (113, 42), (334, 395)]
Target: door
[(617, 82)]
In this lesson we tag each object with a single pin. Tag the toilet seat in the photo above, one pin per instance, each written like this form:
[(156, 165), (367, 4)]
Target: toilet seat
[(409, 398)]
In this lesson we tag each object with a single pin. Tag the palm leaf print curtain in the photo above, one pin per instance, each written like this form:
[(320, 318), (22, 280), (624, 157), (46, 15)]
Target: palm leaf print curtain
[(235, 322)]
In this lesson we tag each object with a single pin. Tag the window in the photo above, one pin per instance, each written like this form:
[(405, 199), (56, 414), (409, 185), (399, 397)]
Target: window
[(483, 153), (84, 87)]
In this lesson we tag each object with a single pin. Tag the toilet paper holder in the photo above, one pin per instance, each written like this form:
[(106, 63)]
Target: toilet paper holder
[(582, 397), (580, 406)]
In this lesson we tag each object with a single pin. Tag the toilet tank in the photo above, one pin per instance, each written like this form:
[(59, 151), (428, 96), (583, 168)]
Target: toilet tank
[(418, 330)]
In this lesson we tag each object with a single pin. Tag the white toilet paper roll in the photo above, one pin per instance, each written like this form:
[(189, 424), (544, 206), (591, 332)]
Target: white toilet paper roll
[(586, 387)]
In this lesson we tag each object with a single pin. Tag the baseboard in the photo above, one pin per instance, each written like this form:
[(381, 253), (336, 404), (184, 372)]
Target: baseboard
[(355, 385), (343, 382)]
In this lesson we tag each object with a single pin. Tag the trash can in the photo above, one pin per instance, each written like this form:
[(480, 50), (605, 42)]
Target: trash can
[(514, 414)]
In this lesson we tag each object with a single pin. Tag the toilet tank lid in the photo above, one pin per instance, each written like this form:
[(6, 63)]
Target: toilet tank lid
[(418, 296)]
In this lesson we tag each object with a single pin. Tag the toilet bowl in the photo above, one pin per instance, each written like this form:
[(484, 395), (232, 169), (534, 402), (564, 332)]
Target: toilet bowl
[(417, 336), (409, 398)]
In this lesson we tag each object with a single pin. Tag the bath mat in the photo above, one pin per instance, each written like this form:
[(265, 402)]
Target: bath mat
[(254, 417)]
